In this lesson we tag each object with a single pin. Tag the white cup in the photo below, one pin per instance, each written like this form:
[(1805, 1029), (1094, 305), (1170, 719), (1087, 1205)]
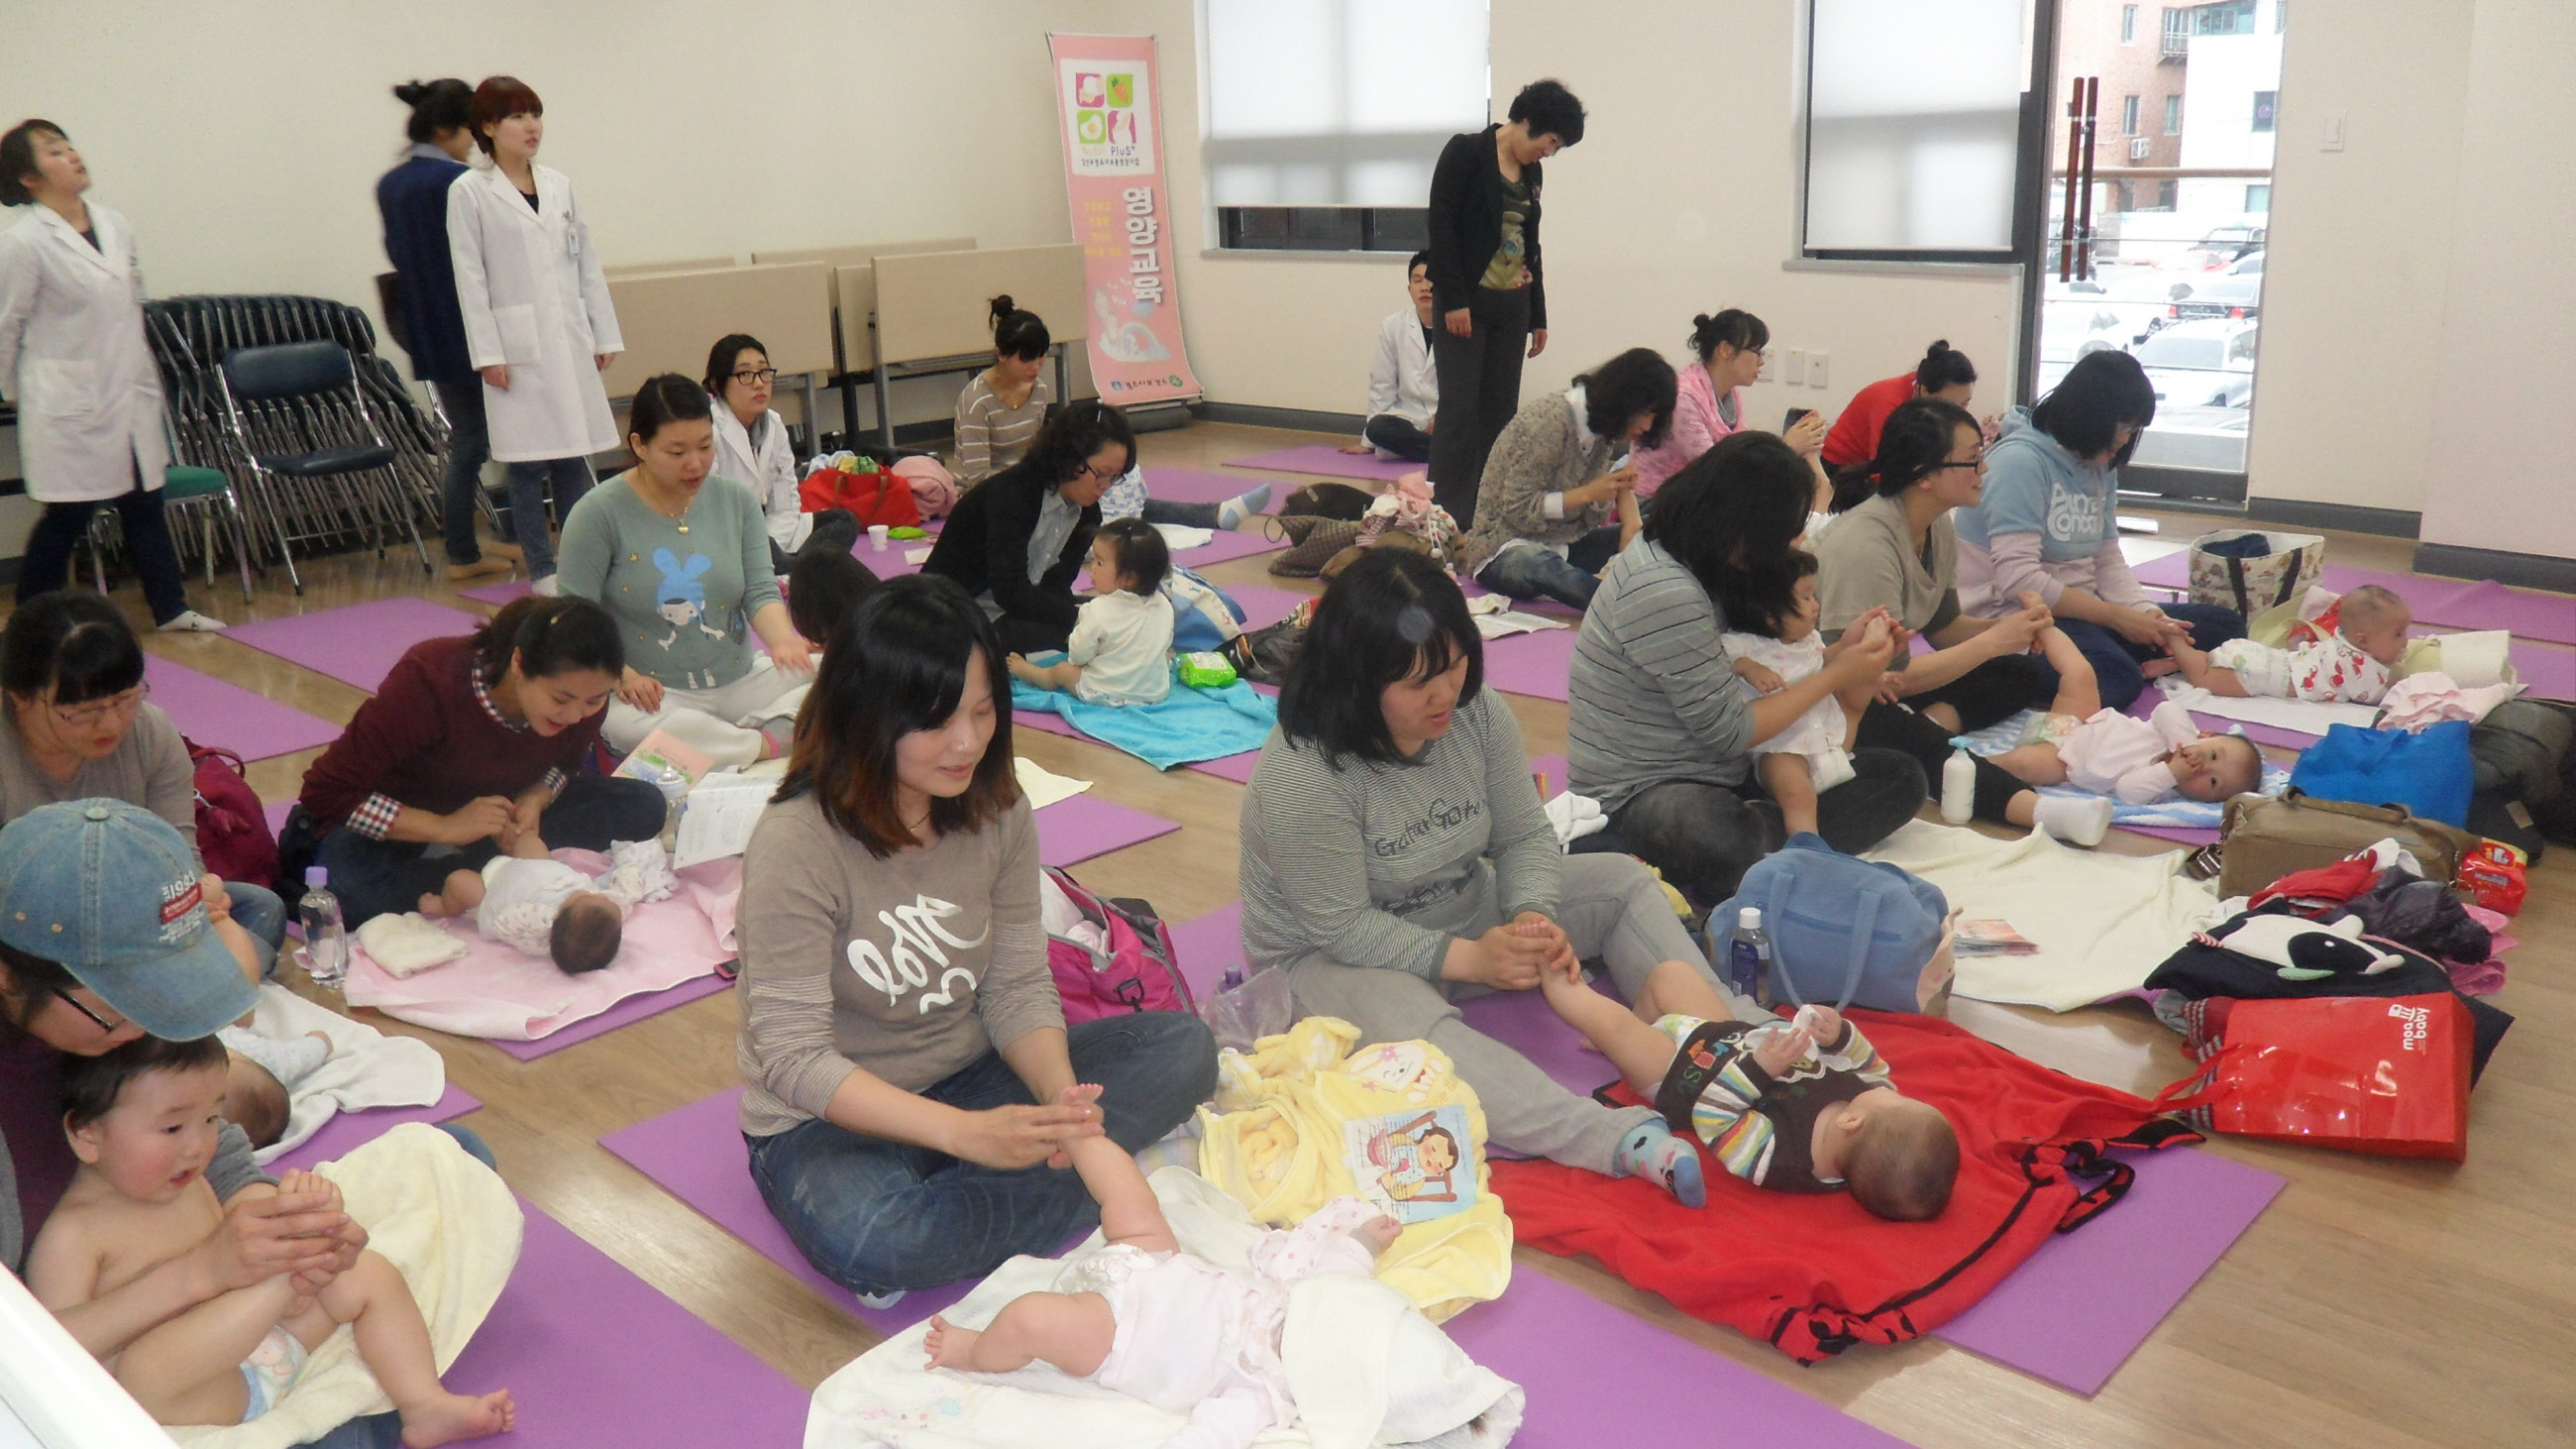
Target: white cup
[(877, 537)]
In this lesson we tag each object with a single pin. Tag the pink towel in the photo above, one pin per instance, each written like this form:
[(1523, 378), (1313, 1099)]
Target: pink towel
[(496, 992)]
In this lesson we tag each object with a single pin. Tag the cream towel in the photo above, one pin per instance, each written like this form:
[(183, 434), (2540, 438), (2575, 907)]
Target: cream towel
[(408, 944), (453, 1229)]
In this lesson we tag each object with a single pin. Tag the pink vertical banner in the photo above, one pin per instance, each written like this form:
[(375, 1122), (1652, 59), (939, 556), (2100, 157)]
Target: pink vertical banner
[(1122, 215)]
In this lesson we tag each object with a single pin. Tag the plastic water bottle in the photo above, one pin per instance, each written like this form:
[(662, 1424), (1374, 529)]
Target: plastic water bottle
[(326, 935), (1958, 783), (1748, 955)]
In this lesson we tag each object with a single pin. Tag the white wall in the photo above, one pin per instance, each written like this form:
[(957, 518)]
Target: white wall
[(2360, 248), (2507, 389)]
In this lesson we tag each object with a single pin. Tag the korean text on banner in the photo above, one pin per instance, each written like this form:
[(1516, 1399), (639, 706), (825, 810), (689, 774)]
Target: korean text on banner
[(1113, 171)]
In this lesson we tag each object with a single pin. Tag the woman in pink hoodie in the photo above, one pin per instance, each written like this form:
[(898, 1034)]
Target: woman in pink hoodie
[(1711, 403)]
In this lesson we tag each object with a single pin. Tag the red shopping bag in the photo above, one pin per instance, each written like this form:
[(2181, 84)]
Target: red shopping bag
[(873, 497), (2382, 1075)]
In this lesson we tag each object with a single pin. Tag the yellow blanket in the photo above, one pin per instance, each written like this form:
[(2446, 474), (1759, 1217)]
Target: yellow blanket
[(449, 1224), (1304, 1119)]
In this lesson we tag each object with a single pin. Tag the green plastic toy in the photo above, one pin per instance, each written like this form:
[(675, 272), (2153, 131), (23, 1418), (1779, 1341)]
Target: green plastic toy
[(1204, 670)]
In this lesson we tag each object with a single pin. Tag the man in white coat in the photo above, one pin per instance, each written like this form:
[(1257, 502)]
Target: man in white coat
[(74, 359), (538, 322), (1404, 385)]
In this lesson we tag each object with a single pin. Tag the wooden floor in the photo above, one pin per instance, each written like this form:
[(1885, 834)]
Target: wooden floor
[(2375, 1303)]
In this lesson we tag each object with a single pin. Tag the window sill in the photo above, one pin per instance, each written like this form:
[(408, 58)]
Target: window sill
[(1891, 267)]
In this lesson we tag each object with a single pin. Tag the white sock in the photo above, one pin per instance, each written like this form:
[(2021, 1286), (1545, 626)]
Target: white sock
[(2076, 821), (1232, 512)]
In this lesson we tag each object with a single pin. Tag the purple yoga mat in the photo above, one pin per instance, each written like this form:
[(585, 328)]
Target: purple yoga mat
[(1531, 664), (1264, 605), (1082, 827), (1197, 485), (356, 644), (1207, 946), (227, 716), (348, 1131), (1326, 460), (632, 1009), (503, 592), (593, 1355), (1237, 768), (1523, 1021), (2188, 835), (696, 1154), (2546, 672), (1046, 721), (2076, 1309), (1596, 1374)]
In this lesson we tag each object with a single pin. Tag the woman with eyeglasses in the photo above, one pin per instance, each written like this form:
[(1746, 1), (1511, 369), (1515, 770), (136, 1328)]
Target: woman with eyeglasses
[(752, 449), (1899, 552), (75, 724), (1710, 405), (1017, 539)]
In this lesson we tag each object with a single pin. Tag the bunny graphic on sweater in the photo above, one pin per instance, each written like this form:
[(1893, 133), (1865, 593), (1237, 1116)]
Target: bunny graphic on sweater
[(682, 599)]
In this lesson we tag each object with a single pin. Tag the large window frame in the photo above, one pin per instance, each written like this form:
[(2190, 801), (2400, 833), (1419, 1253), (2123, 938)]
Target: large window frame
[(2030, 165)]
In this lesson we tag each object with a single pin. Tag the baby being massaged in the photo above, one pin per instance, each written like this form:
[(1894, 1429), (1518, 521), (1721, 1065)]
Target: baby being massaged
[(543, 907)]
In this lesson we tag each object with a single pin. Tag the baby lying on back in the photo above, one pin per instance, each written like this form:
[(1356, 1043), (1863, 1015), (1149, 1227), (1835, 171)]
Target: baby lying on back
[(536, 903), (2344, 657)]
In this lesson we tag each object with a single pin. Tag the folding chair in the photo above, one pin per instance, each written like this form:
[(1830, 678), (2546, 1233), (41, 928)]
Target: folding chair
[(293, 395)]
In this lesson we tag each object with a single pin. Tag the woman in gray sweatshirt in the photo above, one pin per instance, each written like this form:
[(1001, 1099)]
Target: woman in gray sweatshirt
[(1393, 839)]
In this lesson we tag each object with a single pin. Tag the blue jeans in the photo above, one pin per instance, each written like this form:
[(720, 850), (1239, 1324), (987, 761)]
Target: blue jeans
[(469, 447), (2115, 660), (384, 1431), (387, 877), (875, 1216), (1537, 573), (258, 910), (528, 506)]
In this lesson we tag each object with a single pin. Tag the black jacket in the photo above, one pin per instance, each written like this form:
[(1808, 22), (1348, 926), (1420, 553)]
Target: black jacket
[(413, 199), (1467, 223), (986, 546)]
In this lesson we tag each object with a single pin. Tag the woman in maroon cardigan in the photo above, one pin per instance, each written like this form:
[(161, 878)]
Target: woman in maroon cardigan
[(470, 743)]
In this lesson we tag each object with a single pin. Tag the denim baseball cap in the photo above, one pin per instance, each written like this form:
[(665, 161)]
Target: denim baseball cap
[(114, 894)]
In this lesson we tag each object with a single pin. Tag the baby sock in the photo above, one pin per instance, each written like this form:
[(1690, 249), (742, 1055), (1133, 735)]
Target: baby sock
[(2076, 821), (1232, 512), (1655, 1154)]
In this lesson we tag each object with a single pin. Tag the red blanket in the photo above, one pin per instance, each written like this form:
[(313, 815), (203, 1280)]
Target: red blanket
[(1815, 1275)]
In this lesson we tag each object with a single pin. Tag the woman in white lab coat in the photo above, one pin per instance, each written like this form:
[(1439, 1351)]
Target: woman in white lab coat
[(538, 324), (74, 359), (752, 449)]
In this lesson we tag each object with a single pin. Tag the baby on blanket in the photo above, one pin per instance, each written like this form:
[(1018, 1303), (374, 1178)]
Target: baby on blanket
[(260, 1076), (1121, 649), (2341, 657), (529, 900), (1145, 1319), (1803, 1106), (2139, 761)]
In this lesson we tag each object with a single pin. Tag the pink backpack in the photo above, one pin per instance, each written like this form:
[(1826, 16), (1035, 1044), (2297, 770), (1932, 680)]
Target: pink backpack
[(1137, 972)]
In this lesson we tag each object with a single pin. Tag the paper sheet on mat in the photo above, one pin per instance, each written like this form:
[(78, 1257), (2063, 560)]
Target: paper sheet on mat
[(1513, 621), (1044, 787), (2305, 716), (2103, 922)]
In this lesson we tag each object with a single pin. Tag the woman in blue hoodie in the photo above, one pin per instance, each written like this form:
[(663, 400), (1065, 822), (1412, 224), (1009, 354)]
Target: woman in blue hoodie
[(2046, 526)]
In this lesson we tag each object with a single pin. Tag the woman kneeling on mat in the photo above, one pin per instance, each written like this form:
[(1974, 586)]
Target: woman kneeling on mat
[(471, 742), (79, 726), (680, 557), (1396, 860), (906, 1054)]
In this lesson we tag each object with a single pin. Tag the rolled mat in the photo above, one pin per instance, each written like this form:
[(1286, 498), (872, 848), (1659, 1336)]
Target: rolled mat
[(356, 644), (1327, 461), (593, 1356)]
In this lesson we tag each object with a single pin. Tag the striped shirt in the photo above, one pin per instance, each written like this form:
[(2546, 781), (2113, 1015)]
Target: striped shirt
[(990, 436), (1762, 1127), (1652, 693), (1382, 865)]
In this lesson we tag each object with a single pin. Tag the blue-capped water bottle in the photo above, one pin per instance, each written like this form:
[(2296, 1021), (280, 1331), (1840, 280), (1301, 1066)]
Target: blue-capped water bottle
[(1748, 955)]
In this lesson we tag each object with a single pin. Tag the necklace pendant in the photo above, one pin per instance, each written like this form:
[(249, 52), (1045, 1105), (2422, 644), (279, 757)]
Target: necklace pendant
[(684, 528)]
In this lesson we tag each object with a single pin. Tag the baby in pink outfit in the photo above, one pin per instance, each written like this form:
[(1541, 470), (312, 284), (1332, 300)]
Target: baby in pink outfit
[(1148, 1320), (2139, 761)]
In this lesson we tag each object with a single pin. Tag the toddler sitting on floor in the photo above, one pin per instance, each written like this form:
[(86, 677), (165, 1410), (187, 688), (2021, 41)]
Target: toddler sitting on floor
[(543, 907), (1803, 1106), (1146, 1319), (142, 1119), (2139, 761), (1813, 754), (1121, 649), (2347, 661)]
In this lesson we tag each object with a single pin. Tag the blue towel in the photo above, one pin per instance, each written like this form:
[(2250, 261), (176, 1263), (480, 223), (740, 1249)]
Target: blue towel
[(1188, 726)]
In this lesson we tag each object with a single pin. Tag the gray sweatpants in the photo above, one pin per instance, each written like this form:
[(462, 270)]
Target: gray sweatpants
[(1612, 911)]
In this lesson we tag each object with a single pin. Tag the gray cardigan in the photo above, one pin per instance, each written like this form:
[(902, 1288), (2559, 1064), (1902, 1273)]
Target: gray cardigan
[(1652, 694), (1542, 450)]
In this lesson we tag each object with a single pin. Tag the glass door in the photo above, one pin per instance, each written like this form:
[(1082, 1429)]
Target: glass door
[(2160, 165)]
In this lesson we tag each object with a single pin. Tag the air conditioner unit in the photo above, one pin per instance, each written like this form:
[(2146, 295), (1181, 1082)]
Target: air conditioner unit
[(2139, 146)]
